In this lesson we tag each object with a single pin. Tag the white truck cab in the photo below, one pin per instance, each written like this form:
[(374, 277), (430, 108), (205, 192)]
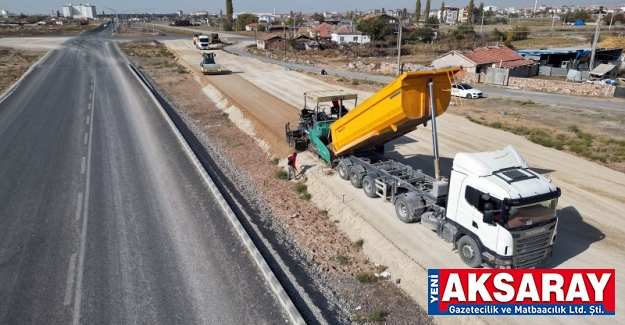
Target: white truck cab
[(499, 212), (203, 42)]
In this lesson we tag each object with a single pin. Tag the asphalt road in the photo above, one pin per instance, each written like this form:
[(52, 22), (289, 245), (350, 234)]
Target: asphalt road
[(103, 218)]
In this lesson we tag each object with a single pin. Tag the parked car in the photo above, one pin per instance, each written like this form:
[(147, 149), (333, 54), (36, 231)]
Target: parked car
[(464, 90)]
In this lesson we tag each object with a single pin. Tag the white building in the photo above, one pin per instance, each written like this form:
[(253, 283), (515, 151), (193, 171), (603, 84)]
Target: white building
[(180, 13), (451, 15), (346, 36), (7, 14), (79, 11)]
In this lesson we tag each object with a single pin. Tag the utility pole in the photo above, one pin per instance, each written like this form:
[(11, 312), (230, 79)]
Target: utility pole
[(611, 18), (482, 24), (594, 43), (399, 48), (553, 19)]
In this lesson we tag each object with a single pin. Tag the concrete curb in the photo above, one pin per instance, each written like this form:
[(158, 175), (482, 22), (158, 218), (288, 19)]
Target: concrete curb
[(270, 277), (12, 88)]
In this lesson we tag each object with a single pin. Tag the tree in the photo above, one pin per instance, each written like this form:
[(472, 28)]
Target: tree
[(426, 14), (518, 33), (617, 17), (245, 19), (432, 22), (318, 17), (462, 32), (261, 28), (229, 11), (424, 34), (376, 28), (470, 12), (404, 13), (442, 13), (577, 15), (417, 11)]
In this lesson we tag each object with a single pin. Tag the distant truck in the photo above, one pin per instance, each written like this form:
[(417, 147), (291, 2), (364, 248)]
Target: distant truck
[(215, 38), (494, 209), (208, 65), (181, 23), (203, 42)]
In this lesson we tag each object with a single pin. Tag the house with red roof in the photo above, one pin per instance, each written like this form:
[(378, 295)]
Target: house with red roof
[(322, 31), (483, 58)]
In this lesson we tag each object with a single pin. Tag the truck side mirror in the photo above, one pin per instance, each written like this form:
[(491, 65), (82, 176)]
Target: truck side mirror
[(488, 213)]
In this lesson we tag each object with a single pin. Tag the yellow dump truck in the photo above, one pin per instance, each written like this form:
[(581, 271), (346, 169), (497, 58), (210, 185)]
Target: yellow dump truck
[(390, 113), (494, 209)]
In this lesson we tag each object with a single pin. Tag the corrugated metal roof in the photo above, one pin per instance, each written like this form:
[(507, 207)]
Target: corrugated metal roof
[(561, 50), (602, 69)]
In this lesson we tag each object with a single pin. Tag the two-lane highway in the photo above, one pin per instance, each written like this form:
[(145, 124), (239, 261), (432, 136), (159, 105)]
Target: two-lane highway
[(103, 216)]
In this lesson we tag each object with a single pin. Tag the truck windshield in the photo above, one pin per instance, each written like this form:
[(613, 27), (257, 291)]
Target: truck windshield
[(532, 214)]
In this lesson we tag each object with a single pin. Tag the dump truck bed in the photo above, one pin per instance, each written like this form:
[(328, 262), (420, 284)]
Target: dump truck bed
[(393, 111)]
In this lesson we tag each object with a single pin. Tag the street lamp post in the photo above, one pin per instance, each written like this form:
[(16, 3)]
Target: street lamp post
[(594, 43)]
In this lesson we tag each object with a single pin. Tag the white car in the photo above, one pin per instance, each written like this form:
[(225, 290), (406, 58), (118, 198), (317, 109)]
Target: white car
[(464, 90)]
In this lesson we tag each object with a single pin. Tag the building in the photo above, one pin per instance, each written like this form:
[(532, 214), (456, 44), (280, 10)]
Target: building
[(322, 31), (79, 11), (180, 13), (271, 42), (483, 58), (450, 15), (344, 35), (7, 14)]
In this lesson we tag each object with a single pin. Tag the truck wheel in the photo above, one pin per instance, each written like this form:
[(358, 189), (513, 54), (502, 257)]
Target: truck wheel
[(354, 178), (469, 251), (368, 185), (428, 220), (342, 169), (403, 209)]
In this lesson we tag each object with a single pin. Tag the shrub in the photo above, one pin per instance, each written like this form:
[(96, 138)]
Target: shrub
[(359, 243), (342, 260), (366, 278), (377, 315), (300, 188), (520, 130), (541, 137), (573, 128), (281, 174)]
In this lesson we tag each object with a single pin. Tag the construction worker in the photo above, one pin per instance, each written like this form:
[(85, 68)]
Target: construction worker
[(291, 168)]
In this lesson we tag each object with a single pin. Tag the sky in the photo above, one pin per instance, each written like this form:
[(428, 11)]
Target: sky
[(267, 6)]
